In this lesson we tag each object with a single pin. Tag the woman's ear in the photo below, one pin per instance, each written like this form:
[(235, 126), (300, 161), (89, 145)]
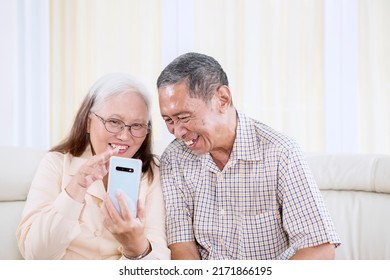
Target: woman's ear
[(89, 124), (224, 98)]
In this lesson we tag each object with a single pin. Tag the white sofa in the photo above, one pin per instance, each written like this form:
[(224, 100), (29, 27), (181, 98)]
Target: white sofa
[(17, 168), (356, 189)]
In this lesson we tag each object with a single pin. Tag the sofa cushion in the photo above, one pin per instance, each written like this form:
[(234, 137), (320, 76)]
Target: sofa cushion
[(362, 222), (382, 174), (18, 166), (351, 172), (10, 214), (356, 189)]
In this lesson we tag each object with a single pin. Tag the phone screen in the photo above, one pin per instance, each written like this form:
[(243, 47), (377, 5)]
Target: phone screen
[(124, 176)]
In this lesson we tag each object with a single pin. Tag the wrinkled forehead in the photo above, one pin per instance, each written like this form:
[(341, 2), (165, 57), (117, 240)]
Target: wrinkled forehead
[(175, 100)]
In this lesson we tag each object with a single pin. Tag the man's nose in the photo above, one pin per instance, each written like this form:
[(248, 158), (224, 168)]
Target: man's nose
[(178, 130)]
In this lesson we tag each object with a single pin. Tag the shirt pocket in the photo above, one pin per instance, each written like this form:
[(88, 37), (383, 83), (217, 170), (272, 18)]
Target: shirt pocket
[(262, 236)]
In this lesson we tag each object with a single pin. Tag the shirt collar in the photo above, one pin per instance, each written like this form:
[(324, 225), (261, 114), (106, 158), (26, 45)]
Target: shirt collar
[(246, 145)]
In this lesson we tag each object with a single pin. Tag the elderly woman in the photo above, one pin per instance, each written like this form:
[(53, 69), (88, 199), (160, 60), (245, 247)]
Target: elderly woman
[(68, 214)]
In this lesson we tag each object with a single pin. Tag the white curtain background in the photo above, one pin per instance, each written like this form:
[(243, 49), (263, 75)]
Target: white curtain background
[(92, 38), (317, 70), (24, 73), (374, 76)]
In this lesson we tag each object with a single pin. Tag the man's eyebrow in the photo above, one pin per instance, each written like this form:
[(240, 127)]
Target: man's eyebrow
[(177, 114)]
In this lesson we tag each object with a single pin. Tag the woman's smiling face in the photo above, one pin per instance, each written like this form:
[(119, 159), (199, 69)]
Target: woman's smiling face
[(130, 108)]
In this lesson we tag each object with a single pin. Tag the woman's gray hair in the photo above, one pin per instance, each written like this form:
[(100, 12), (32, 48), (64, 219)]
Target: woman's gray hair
[(115, 84)]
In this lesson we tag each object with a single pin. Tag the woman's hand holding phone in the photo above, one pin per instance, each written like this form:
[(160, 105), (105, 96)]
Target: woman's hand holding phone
[(127, 229), (123, 212)]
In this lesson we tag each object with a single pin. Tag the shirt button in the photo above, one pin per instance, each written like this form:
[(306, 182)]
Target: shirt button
[(98, 233), (222, 212)]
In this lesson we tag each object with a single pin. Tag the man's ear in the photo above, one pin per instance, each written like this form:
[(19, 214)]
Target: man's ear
[(224, 98)]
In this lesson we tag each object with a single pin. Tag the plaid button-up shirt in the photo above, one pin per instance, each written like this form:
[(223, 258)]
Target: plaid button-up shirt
[(264, 204)]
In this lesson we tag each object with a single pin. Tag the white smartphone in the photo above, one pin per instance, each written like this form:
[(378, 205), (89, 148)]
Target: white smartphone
[(125, 176)]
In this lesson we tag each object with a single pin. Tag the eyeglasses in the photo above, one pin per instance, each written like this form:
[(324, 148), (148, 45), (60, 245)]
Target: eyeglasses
[(138, 130)]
